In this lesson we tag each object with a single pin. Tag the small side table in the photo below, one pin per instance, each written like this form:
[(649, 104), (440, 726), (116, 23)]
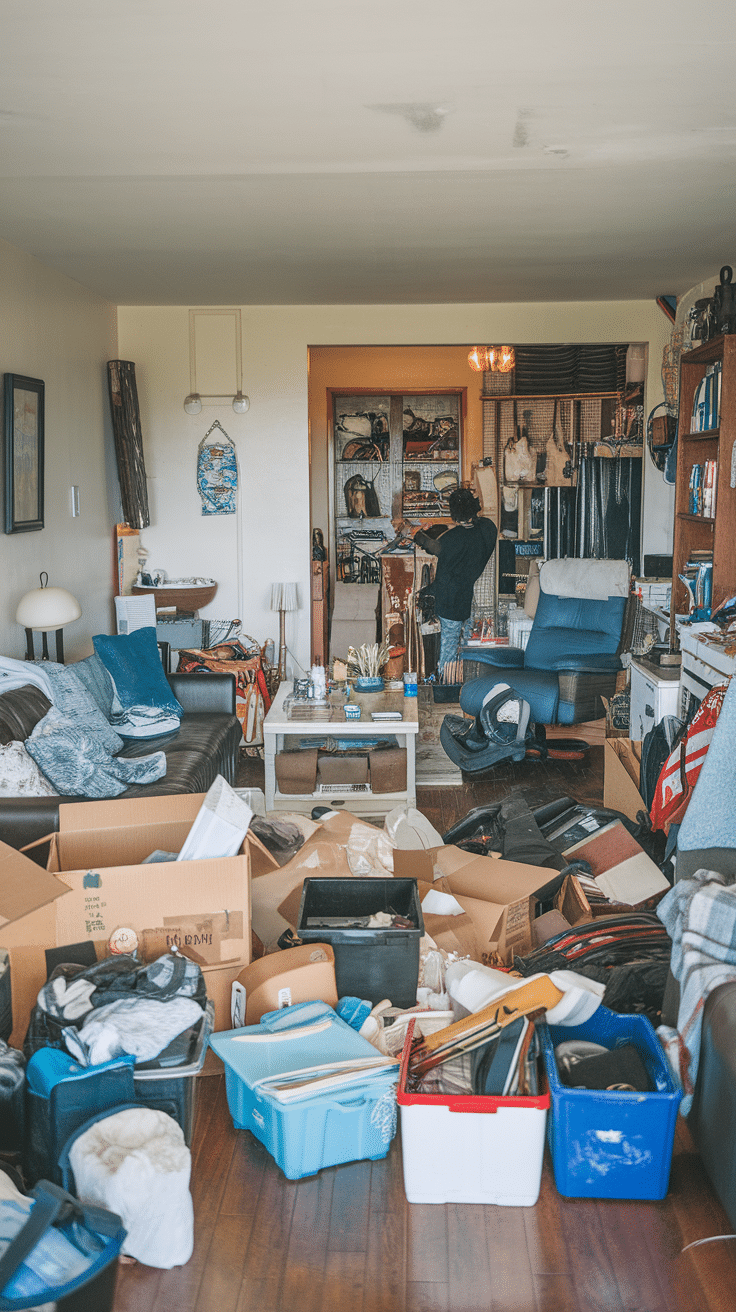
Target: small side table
[(277, 726)]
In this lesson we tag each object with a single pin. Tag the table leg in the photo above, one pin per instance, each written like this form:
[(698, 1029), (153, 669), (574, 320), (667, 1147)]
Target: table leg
[(411, 769), (269, 761)]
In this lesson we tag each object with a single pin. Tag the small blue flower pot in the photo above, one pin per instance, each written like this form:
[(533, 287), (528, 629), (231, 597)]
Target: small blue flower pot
[(369, 683)]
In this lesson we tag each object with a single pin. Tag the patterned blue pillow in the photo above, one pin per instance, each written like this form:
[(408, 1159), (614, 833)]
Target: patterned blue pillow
[(143, 703)]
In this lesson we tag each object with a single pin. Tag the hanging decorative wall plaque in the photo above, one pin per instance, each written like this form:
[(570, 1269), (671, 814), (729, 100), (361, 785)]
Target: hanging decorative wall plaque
[(217, 473)]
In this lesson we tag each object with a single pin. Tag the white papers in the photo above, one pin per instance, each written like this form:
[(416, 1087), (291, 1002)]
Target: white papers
[(220, 827), (437, 903), (134, 613)]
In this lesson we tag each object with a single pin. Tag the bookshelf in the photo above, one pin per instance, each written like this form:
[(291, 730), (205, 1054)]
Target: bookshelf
[(697, 533)]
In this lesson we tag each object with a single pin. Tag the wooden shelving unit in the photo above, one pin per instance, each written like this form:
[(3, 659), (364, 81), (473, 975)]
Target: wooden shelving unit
[(698, 532)]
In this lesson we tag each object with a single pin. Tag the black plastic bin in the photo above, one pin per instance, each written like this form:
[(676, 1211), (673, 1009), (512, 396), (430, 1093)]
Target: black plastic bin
[(372, 964)]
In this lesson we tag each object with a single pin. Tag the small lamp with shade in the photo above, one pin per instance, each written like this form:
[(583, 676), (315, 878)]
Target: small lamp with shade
[(47, 610)]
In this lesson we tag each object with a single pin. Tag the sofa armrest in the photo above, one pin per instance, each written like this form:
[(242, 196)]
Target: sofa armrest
[(202, 693)]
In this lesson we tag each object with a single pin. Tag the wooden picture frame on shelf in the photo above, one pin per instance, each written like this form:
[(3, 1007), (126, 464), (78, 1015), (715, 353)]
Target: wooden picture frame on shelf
[(24, 453)]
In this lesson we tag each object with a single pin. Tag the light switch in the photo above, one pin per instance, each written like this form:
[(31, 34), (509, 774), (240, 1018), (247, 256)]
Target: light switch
[(75, 501)]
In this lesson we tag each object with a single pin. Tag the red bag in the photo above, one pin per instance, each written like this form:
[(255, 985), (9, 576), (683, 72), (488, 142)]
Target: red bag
[(680, 771)]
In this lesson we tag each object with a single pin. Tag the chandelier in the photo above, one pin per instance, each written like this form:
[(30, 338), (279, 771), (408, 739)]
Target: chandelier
[(494, 359)]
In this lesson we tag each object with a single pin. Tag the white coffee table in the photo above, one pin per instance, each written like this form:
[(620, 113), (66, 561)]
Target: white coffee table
[(332, 724)]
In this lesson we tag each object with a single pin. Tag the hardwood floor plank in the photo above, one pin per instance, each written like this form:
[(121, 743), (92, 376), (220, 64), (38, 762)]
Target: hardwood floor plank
[(269, 1238), (590, 1265), (344, 1283), (387, 1180), (512, 1283), (469, 1272), (385, 1269), (243, 1184), (546, 1244), (426, 1243), (426, 1297), (222, 1275), (305, 1262), (136, 1287), (555, 1293), (351, 1195), (630, 1256)]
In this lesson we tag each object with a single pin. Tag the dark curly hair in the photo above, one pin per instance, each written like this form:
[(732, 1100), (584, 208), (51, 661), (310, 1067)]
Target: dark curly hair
[(463, 505)]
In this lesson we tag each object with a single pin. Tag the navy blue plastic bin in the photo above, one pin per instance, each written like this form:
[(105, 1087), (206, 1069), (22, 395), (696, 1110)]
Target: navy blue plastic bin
[(52, 1116), (611, 1145)]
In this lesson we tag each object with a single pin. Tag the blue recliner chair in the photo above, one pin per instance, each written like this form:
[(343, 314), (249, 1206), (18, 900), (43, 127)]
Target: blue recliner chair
[(573, 654)]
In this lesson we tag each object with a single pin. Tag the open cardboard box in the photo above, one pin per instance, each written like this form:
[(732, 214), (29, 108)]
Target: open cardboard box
[(621, 773), (499, 897), (96, 882)]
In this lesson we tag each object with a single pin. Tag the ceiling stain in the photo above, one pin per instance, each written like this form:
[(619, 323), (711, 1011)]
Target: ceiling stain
[(521, 131), (423, 116)]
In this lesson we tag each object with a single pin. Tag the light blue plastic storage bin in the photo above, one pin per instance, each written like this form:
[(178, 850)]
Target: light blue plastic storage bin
[(346, 1124), (611, 1145)]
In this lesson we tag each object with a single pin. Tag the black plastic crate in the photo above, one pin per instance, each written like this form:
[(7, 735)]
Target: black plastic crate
[(372, 964)]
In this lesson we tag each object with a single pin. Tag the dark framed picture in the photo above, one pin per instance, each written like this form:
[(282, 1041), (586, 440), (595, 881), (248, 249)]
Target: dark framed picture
[(23, 453)]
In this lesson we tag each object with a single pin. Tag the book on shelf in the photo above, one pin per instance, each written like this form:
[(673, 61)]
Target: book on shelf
[(707, 400), (702, 489)]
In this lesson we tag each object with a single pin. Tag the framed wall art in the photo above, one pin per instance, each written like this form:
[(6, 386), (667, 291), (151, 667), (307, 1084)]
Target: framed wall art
[(24, 398)]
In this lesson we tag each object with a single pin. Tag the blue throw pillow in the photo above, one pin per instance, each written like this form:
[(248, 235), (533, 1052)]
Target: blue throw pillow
[(143, 703)]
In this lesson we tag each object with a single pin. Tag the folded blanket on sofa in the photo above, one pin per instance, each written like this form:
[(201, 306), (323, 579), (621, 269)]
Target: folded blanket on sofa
[(79, 764)]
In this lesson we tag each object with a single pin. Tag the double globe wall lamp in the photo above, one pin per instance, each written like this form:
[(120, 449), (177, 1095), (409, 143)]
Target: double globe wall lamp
[(491, 359), (193, 402)]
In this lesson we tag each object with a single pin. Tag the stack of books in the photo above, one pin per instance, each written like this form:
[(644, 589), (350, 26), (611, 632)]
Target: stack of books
[(703, 486), (707, 400), (697, 575)]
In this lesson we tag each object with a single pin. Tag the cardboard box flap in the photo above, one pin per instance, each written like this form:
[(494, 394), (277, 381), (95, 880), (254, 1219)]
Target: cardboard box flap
[(24, 886), (119, 832), (500, 881), (413, 863), (621, 772), (124, 812)]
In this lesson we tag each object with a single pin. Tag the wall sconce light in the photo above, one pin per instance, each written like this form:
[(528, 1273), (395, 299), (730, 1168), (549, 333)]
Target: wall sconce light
[(491, 359), (44, 611), (193, 402)]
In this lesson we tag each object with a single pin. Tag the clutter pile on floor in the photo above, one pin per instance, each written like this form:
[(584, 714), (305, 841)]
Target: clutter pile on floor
[(514, 966)]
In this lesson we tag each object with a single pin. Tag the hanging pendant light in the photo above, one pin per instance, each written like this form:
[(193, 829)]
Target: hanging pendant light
[(491, 359)]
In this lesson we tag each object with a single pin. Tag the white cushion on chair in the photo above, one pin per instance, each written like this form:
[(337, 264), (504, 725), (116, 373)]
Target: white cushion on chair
[(593, 579)]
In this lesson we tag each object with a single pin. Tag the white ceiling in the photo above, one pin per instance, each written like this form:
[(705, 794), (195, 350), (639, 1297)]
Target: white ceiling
[(183, 152)]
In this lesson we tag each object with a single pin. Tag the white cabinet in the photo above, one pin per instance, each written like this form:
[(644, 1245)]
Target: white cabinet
[(654, 694)]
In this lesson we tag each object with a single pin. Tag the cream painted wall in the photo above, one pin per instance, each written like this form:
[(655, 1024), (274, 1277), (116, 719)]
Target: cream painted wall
[(272, 438), (52, 328)]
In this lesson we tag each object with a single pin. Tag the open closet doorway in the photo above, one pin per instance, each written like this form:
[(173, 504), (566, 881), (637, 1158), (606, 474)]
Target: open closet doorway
[(560, 439)]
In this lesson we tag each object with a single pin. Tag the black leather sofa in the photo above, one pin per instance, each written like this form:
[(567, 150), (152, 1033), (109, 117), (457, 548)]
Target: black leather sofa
[(205, 745), (712, 1118)]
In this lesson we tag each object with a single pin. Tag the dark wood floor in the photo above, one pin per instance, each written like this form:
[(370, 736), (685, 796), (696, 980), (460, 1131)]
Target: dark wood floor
[(347, 1240)]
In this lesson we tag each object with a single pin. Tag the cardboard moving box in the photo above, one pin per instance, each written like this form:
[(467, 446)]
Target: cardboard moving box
[(621, 772), (498, 896), (96, 882)]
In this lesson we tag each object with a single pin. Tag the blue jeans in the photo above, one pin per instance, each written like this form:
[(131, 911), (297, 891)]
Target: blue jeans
[(452, 634)]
